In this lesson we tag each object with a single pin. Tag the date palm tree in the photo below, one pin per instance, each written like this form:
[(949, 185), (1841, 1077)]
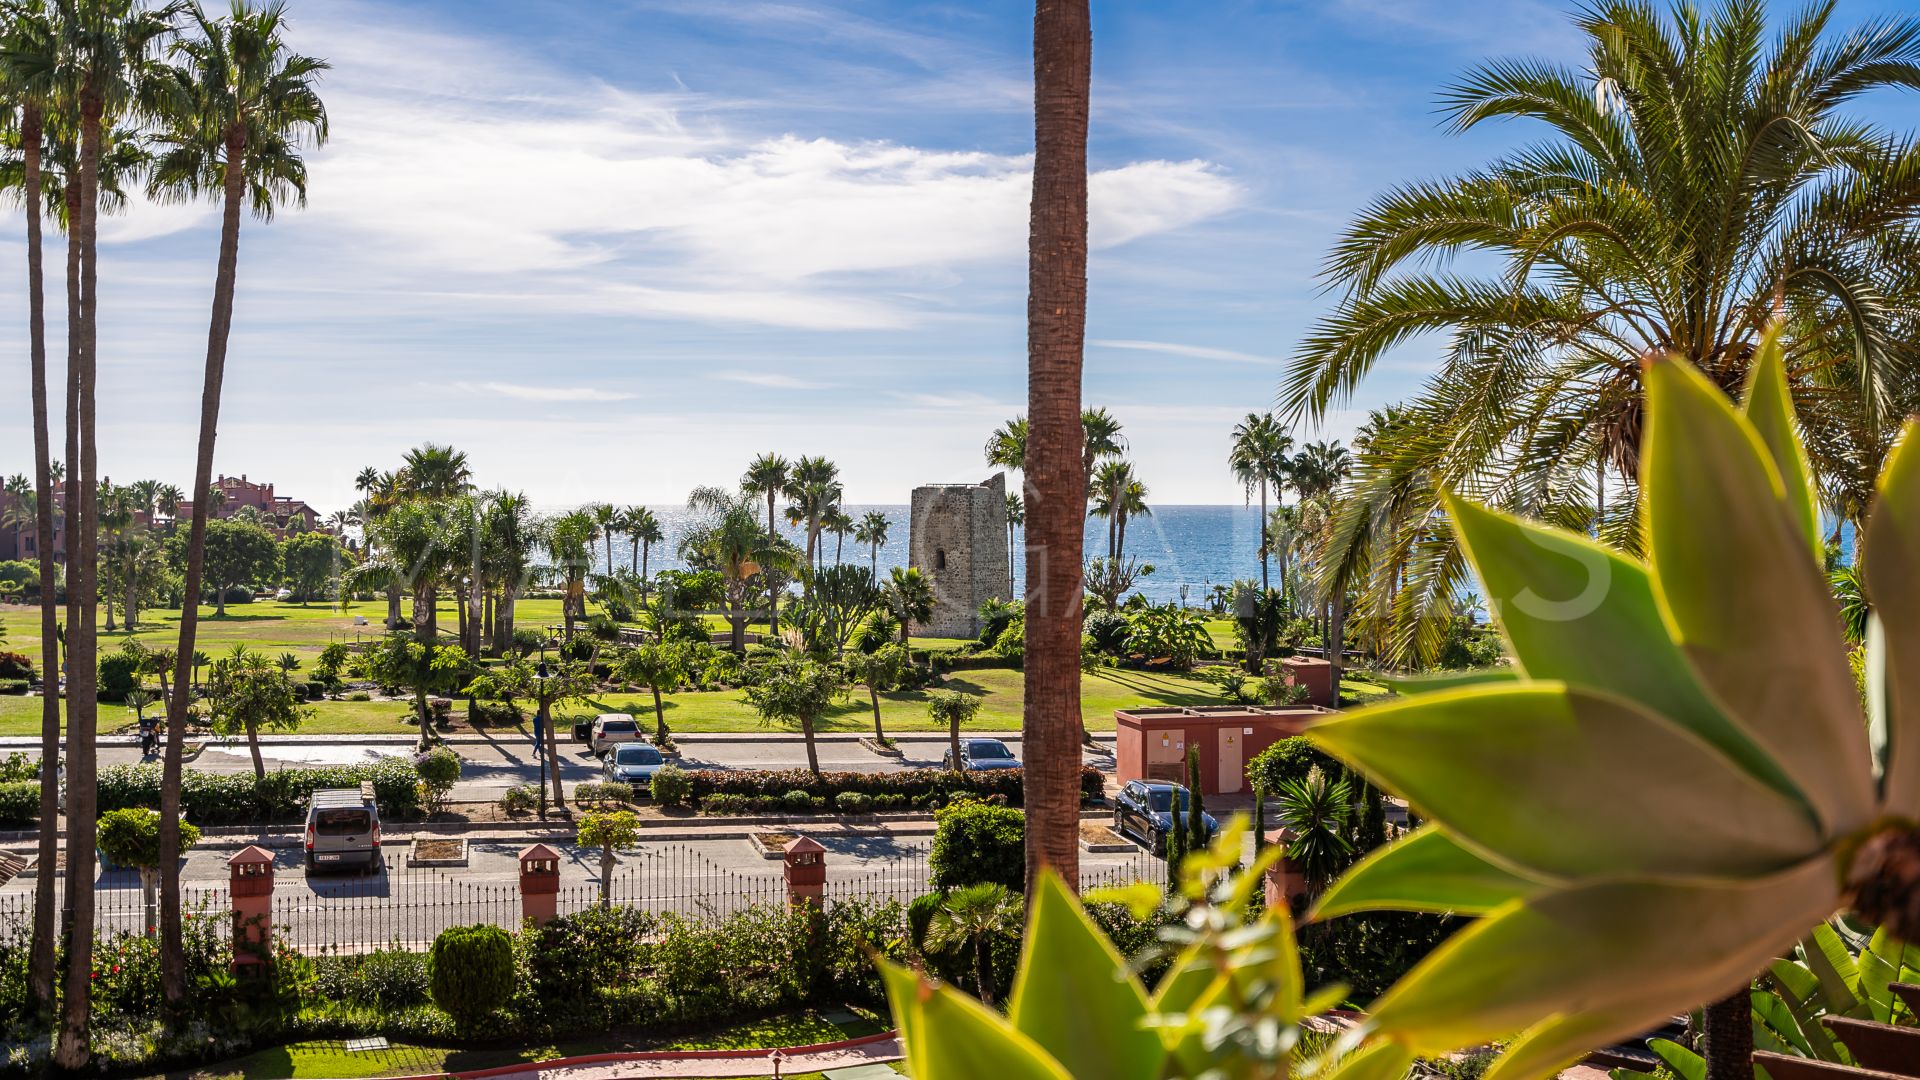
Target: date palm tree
[(643, 529), (569, 540), (872, 531), (1698, 170), (1099, 432), (1259, 460), (908, 595), (236, 108), (729, 541), (1055, 471), (767, 477), (432, 471), (102, 60), (28, 79), (1007, 446)]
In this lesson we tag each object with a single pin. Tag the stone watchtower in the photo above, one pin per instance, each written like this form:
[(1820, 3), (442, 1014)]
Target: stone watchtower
[(959, 540)]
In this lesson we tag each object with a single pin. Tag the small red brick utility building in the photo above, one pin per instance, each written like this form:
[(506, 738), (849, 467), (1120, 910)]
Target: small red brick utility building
[(1151, 743)]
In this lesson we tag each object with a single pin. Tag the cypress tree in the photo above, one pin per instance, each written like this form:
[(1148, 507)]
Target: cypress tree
[(1196, 810)]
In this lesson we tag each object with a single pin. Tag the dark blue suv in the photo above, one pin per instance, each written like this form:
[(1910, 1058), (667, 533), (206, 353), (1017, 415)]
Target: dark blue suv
[(1144, 810)]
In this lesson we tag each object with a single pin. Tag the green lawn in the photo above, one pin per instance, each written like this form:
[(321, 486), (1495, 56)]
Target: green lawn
[(330, 1058), (1101, 692)]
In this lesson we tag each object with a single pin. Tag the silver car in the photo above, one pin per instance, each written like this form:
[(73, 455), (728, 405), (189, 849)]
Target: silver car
[(343, 829), (633, 763), (982, 755)]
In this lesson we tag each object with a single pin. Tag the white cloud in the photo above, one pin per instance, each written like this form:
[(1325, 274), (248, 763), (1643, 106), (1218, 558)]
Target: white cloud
[(522, 392), (772, 380), (1197, 352)]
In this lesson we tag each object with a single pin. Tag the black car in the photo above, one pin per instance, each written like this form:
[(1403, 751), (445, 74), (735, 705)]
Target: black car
[(1144, 810)]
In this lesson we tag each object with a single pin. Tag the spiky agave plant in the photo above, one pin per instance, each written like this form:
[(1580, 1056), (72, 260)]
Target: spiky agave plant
[(1674, 781)]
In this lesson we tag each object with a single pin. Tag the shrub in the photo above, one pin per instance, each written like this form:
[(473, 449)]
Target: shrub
[(359, 695), (385, 979), (520, 799), (915, 786), (603, 793), (528, 641), (671, 787), (797, 800), (852, 802), (470, 971), (483, 713), (19, 802), (119, 675), (1012, 642), (228, 798), (15, 665), (15, 687), (975, 843), (1287, 760), (439, 770), (1108, 632), (995, 617)]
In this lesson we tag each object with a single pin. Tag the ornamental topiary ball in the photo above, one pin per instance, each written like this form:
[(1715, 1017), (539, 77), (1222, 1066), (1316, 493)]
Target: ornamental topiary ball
[(470, 972)]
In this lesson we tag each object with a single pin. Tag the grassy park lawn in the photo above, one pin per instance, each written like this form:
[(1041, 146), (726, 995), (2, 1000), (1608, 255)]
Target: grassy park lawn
[(330, 1058)]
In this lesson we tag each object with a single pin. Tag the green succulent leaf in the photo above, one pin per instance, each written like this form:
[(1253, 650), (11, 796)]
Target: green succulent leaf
[(950, 1036), (1744, 598), (1075, 996), (1424, 871), (1190, 976), (1891, 568), (1774, 1017), (1831, 963), (1769, 408), (1554, 780), (1635, 951), (1582, 613)]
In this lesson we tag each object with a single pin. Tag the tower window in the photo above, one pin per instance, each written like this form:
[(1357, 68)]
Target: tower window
[(940, 559)]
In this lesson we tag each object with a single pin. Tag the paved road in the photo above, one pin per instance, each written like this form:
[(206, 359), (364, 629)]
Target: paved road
[(705, 878), (494, 766)]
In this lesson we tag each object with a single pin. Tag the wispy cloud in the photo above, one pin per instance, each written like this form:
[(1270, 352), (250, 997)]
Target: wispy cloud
[(522, 392), (772, 380), (1174, 348)]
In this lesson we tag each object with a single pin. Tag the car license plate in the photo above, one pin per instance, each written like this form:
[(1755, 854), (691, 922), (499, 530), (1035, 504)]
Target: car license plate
[(329, 858)]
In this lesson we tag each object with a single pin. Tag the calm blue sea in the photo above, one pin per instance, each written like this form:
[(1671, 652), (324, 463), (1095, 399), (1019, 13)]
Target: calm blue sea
[(1191, 547)]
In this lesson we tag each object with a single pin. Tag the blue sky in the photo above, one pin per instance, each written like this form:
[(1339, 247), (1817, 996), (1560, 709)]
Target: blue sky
[(613, 250)]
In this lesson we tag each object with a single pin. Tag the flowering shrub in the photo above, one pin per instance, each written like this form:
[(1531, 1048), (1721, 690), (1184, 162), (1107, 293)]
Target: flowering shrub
[(218, 799), (911, 784)]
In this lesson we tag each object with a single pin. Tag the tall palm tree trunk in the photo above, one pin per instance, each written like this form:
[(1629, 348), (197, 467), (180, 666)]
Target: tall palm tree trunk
[(72, 1047), (1056, 472), (45, 927), (773, 590), (173, 957), (1266, 585), (1729, 1049)]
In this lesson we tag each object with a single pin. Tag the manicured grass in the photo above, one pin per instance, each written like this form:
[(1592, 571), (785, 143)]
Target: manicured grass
[(330, 1058)]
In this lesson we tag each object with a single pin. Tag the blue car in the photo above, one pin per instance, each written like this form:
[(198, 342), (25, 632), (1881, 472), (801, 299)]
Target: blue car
[(1144, 810), (633, 763)]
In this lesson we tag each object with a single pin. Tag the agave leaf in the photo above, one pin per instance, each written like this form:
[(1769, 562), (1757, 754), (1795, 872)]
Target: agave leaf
[(1380, 1061), (1561, 1041), (1744, 599), (950, 1036), (1637, 951), (1520, 773), (1685, 1064), (1891, 568), (1450, 680), (1184, 983), (1424, 871), (1769, 408), (1582, 613), (1075, 997)]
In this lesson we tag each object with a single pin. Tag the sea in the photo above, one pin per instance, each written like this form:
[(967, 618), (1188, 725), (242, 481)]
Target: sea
[(1191, 548)]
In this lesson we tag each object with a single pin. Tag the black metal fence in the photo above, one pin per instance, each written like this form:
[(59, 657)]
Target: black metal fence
[(409, 906)]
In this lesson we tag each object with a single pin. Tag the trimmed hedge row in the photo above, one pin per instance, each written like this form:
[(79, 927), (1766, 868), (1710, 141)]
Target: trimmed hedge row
[(912, 783), (233, 798), (19, 802)]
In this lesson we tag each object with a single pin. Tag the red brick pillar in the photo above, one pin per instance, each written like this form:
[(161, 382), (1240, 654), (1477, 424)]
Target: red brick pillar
[(1313, 673), (539, 884), (806, 872), (1283, 883), (250, 879)]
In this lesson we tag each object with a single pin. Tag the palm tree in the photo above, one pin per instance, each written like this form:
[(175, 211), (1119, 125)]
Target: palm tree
[(569, 539), (767, 476), (730, 542), (644, 530), (606, 521), (236, 108), (908, 594), (1698, 170), (1259, 461), (974, 916), (102, 63), (1016, 517), (872, 531), (814, 491), (433, 471), (1007, 446), (841, 525), (1099, 432), (1056, 473), (27, 76), (510, 537)]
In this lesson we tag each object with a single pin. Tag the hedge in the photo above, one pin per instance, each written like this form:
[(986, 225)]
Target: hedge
[(19, 802), (16, 687), (230, 798), (912, 783)]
